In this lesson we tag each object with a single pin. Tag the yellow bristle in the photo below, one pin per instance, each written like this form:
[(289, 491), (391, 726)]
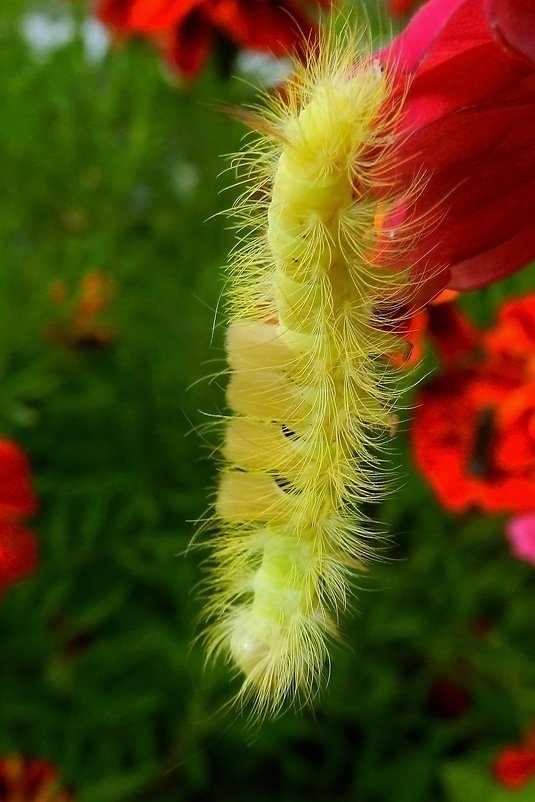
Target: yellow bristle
[(312, 381)]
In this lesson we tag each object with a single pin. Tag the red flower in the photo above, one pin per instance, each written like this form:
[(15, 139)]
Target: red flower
[(399, 8), (450, 331), (18, 546), (514, 766), (468, 126), (474, 427), (446, 328), (16, 495), (186, 28), (513, 339), (465, 74), (26, 780), (448, 699)]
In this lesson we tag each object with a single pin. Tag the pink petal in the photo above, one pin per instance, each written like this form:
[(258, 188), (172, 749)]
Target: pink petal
[(520, 532)]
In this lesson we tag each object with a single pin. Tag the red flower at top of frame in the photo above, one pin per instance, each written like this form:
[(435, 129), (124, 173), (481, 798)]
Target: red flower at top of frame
[(186, 28), (514, 766), (18, 546), (473, 432), (467, 68), (466, 72), (27, 780)]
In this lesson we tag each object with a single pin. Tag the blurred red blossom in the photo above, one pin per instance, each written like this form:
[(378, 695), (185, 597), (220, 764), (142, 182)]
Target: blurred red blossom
[(187, 29), (467, 71), (18, 545), (448, 699), (473, 432), (514, 766), (441, 324), (513, 339), (399, 8), (30, 780)]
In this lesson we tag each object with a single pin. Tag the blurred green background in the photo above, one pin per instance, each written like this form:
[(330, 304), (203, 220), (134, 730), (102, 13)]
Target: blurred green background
[(108, 166)]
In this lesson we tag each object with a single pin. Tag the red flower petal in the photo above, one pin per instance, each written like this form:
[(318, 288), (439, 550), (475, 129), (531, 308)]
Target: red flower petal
[(16, 495), (474, 428), (272, 26), (451, 332), (18, 553), (115, 12), (190, 44), (514, 336), (514, 23), (159, 15), (514, 766), (30, 780), (469, 126), (398, 8), (185, 28), (461, 450), (515, 422), (145, 16)]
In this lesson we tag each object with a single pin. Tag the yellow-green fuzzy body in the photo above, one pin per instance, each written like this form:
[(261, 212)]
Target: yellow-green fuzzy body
[(311, 375)]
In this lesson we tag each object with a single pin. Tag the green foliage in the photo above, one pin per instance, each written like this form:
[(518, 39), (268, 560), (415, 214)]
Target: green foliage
[(470, 782), (110, 166)]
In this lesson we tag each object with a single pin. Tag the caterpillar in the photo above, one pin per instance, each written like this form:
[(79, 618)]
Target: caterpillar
[(312, 385)]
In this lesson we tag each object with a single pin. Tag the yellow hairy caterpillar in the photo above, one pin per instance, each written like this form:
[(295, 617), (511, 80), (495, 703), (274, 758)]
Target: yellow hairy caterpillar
[(311, 361)]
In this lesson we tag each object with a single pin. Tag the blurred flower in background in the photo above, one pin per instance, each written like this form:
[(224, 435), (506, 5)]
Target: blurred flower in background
[(81, 326), (474, 426), (30, 780), (188, 30), (442, 324), (520, 532), (514, 766), (401, 8), (18, 545), (448, 699)]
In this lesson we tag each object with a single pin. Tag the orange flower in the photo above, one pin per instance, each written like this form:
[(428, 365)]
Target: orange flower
[(474, 427), (81, 327), (26, 780)]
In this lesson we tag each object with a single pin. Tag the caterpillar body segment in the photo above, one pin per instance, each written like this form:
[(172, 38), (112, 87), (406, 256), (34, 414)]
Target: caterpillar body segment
[(311, 385)]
